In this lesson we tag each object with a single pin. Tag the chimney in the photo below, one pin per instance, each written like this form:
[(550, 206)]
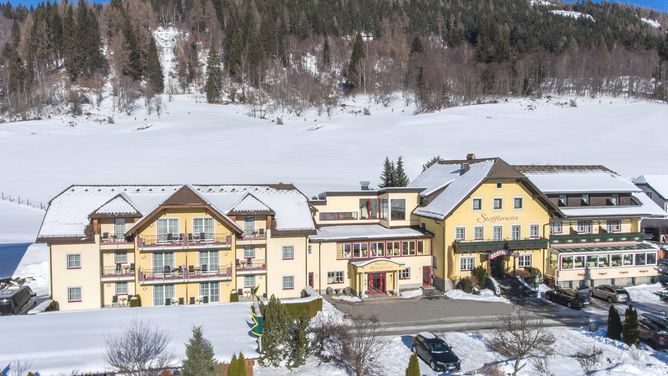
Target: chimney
[(470, 156), (364, 185), (465, 167)]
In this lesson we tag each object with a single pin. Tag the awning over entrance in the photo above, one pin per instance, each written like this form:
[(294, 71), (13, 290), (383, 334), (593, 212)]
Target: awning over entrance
[(377, 265), (376, 276)]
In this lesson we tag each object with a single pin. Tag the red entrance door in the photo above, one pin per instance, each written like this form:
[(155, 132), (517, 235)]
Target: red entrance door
[(426, 275), (376, 283)]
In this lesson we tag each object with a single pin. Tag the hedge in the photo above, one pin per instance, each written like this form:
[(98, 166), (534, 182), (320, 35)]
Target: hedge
[(311, 308), (234, 297)]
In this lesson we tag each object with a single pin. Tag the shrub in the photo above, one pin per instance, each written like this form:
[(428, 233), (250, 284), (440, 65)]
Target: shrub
[(234, 297), (614, 324), (479, 276), (297, 310), (199, 356), (466, 284), (53, 306), (413, 366), (630, 327), (135, 301)]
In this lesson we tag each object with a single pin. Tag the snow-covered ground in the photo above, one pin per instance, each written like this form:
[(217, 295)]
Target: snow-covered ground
[(34, 268), (652, 23), (18, 223), (61, 342), (573, 14), (485, 295)]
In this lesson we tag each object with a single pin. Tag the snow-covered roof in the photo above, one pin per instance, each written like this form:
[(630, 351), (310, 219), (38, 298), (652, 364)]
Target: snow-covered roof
[(435, 177), (659, 183), (362, 263), (646, 208), (118, 205), (250, 204), (369, 231), (67, 215), (577, 179), (457, 190)]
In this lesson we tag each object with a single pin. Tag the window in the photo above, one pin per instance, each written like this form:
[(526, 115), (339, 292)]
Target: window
[(478, 233), (434, 262), (534, 231), (249, 225), (628, 260), (524, 261), (398, 212), (161, 294), (74, 261), (584, 200), (616, 260), (338, 216), (651, 258), (579, 262), (360, 250), (567, 262), (377, 249), (477, 204), (368, 208), (73, 294), (288, 252), (640, 259), (167, 228), (499, 185), (556, 227), (249, 251), (120, 257), (384, 209), (408, 248), (249, 281), (393, 248), (466, 263), (518, 202), (584, 227), (288, 282), (119, 228), (497, 233), (210, 259), (210, 290), (334, 278), (423, 247), (498, 203), (592, 261), (603, 261), (613, 200), (405, 273), (162, 260), (516, 232), (649, 194), (121, 288), (460, 233), (613, 225), (563, 200)]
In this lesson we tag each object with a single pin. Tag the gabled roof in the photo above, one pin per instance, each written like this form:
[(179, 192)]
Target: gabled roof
[(118, 206), (250, 204), (552, 179), (659, 183), (185, 196)]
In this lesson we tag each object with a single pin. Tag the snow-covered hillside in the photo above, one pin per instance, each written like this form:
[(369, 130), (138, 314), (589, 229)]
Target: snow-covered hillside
[(18, 223)]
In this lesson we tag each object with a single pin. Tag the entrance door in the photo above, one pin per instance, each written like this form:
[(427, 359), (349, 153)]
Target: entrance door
[(426, 275), (497, 267), (376, 283), (311, 279)]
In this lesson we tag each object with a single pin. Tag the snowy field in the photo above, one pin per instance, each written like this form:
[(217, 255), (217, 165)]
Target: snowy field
[(18, 223), (61, 342)]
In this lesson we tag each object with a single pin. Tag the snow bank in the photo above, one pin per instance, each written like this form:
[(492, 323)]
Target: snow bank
[(18, 223), (573, 14), (408, 294), (34, 268), (486, 295)]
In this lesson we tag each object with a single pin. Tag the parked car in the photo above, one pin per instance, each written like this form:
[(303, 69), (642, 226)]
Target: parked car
[(17, 300), (435, 352), (654, 329), (662, 264), (569, 297), (610, 293)]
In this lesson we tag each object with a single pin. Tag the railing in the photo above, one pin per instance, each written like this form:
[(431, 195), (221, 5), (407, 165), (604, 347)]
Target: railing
[(251, 264), (184, 240), (184, 274), (114, 239), (255, 235), (496, 245), (597, 238), (118, 271)]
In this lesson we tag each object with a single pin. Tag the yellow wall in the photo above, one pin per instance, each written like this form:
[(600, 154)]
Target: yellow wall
[(109, 290), (350, 203), (87, 277), (185, 216), (277, 267)]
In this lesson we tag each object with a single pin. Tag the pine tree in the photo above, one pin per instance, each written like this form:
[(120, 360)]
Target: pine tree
[(299, 342), (387, 176), (421, 88), (153, 70), (132, 67), (431, 162), (630, 327), (233, 369), (199, 356), (413, 366), (354, 73), (614, 324), (326, 55), (214, 77), (400, 177), (275, 333), (416, 46)]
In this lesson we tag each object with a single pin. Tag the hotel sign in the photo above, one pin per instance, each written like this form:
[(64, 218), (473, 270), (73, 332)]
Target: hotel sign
[(484, 218), (379, 266), (502, 252)]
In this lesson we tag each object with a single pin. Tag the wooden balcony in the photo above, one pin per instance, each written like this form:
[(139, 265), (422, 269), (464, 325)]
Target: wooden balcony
[(114, 242), (180, 274), (465, 246), (183, 241), (249, 266), (118, 273), (597, 238)]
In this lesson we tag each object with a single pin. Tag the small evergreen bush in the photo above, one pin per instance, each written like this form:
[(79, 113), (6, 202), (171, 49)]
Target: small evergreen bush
[(413, 366), (630, 327), (614, 324), (199, 356), (234, 297), (466, 284)]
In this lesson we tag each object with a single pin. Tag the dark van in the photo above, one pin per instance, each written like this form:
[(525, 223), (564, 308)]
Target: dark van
[(17, 300)]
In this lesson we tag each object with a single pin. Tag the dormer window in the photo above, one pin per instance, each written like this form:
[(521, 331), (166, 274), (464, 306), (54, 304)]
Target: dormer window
[(562, 200), (613, 200), (119, 228), (584, 201)]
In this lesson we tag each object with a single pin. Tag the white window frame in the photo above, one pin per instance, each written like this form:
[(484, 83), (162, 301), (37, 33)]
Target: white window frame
[(119, 228), (290, 249), (463, 229), (554, 227), (481, 235), (519, 232), (70, 290), (534, 234), (121, 260), (168, 291), (249, 251), (205, 226), (515, 202), (167, 224), (288, 282), (405, 273), (249, 281), (73, 260), (494, 237), (494, 201), (249, 225), (522, 260), (335, 277), (116, 290), (466, 263), (473, 202), (209, 258), (207, 289), (617, 225), (585, 227)]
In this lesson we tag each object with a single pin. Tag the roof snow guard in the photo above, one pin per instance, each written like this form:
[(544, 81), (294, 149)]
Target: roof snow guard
[(69, 213)]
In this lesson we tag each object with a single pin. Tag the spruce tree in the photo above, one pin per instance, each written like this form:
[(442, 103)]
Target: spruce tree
[(326, 55), (630, 327), (413, 366), (299, 342), (275, 333), (132, 67), (239, 367), (614, 324), (214, 77), (416, 46), (233, 369), (387, 176), (354, 74), (199, 356), (431, 162), (153, 70), (400, 177)]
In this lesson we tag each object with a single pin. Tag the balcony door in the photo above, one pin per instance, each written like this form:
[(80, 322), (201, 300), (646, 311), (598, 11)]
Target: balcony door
[(163, 295), (168, 228), (162, 260), (249, 225), (209, 260), (203, 228)]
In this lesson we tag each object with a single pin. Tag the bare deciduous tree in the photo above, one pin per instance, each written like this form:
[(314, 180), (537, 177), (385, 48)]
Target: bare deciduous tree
[(589, 358), (521, 336), (140, 350)]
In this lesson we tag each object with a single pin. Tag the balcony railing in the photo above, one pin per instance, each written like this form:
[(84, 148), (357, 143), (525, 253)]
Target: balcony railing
[(118, 272), (497, 245), (114, 241), (255, 235), (192, 240), (185, 274), (597, 238), (251, 264)]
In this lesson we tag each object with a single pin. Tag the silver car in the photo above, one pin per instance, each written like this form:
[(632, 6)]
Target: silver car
[(612, 294)]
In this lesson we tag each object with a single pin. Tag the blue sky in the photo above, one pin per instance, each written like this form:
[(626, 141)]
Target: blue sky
[(656, 4)]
